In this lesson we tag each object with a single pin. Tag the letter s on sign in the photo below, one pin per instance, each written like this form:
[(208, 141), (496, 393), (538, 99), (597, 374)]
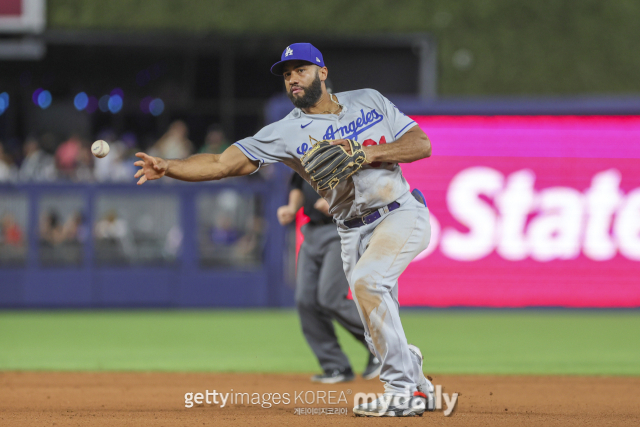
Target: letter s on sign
[(466, 207)]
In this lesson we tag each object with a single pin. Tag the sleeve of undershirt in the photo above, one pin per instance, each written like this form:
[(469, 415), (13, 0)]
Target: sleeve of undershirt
[(296, 182)]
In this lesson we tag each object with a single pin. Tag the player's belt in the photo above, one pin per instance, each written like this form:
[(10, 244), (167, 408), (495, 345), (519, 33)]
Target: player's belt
[(372, 217)]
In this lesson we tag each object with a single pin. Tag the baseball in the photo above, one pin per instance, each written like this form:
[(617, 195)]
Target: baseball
[(100, 148)]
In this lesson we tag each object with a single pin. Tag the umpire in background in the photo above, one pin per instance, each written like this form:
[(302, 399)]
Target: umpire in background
[(322, 287)]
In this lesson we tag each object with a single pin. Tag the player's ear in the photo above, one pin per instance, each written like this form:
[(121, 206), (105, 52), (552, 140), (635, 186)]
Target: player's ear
[(323, 73)]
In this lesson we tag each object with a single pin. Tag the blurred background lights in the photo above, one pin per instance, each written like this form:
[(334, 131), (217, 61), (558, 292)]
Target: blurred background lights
[(4, 102), (117, 91), (103, 104), (35, 95), (81, 101), (92, 105), (144, 104), (44, 99), (156, 107), (115, 103)]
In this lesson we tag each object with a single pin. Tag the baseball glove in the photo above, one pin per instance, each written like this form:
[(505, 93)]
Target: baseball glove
[(328, 165)]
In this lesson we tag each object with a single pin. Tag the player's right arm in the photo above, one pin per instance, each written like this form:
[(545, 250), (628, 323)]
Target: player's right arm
[(200, 167)]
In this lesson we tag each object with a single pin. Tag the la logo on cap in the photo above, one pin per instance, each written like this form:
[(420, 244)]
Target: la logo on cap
[(288, 51)]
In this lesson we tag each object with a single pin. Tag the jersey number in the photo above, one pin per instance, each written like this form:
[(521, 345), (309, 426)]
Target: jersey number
[(372, 142)]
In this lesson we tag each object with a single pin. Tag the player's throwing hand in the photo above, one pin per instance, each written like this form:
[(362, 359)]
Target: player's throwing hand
[(150, 168)]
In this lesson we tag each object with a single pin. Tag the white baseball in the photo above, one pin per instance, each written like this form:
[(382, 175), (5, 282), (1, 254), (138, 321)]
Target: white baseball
[(100, 148)]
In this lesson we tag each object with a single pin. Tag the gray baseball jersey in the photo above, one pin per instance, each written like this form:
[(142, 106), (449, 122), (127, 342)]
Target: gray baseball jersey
[(367, 117)]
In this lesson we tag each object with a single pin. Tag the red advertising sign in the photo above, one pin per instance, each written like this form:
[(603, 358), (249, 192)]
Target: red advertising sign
[(528, 211), (10, 7), (22, 16)]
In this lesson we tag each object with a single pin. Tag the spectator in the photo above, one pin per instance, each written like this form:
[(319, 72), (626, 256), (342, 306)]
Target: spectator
[(224, 232), (215, 142), (37, 165), (8, 170), (174, 144), (74, 230), (249, 247), (111, 229), (10, 232), (84, 165), (67, 156), (173, 242), (48, 143), (51, 229), (116, 167), (130, 142)]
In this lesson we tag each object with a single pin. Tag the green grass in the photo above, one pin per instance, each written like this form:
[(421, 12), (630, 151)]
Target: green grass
[(501, 342)]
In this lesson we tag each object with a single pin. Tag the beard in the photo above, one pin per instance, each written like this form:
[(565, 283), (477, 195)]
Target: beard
[(312, 94)]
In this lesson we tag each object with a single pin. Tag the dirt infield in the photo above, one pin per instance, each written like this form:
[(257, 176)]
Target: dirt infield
[(157, 399)]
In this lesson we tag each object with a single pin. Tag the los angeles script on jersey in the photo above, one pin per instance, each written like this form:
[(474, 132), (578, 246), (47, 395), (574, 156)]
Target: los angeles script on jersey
[(350, 131), (356, 127)]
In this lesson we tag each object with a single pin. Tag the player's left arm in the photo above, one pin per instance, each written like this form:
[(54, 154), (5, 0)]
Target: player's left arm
[(413, 145)]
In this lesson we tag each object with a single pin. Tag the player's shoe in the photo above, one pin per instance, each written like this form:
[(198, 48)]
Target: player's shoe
[(389, 405), (332, 376), (373, 368), (424, 385)]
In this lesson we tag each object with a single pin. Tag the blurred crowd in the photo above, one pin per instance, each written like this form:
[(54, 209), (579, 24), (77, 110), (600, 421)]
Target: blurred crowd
[(55, 231), (232, 226), (43, 159)]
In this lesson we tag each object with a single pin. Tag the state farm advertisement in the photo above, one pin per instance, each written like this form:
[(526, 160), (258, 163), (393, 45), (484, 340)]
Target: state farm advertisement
[(528, 211)]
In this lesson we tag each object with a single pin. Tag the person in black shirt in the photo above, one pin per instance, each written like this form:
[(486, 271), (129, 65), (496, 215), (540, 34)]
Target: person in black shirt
[(322, 287)]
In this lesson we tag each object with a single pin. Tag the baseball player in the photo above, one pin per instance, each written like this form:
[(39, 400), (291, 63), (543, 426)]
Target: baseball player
[(382, 227), (321, 286)]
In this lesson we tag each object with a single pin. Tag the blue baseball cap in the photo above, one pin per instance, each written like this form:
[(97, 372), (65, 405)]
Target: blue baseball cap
[(298, 52)]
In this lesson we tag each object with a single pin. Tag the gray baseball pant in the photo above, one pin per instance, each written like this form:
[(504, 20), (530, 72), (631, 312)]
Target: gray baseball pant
[(374, 256), (321, 296)]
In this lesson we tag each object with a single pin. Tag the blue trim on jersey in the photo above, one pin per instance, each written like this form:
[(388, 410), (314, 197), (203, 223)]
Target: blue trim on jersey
[(247, 153), (404, 129), (250, 155)]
